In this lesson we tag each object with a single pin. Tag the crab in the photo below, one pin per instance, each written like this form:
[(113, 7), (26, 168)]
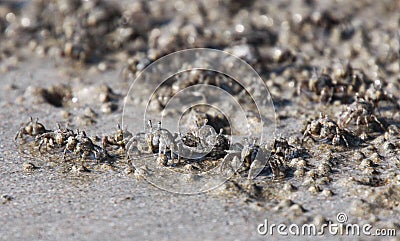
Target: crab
[(160, 140), (248, 153), (58, 137), (281, 145), (282, 148), (82, 145), (200, 142), (361, 111), (154, 140), (32, 128), (242, 158), (220, 144), (190, 140), (120, 139), (203, 141), (327, 130), (253, 158), (278, 165), (200, 137), (276, 161), (323, 86), (282, 152)]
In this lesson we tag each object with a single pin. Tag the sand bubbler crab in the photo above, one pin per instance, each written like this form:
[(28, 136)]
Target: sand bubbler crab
[(32, 128), (64, 140), (253, 158), (198, 144), (160, 140), (362, 111), (281, 154), (82, 145), (327, 130), (58, 138), (323, 86), (203, 142), (119, 138)]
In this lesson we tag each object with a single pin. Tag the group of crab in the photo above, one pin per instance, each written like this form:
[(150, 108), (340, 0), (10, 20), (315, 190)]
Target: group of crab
[(345, 86), (199, 143), (327, 130), (76, 142), (362, 97), (253, 158), (203, 141)]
